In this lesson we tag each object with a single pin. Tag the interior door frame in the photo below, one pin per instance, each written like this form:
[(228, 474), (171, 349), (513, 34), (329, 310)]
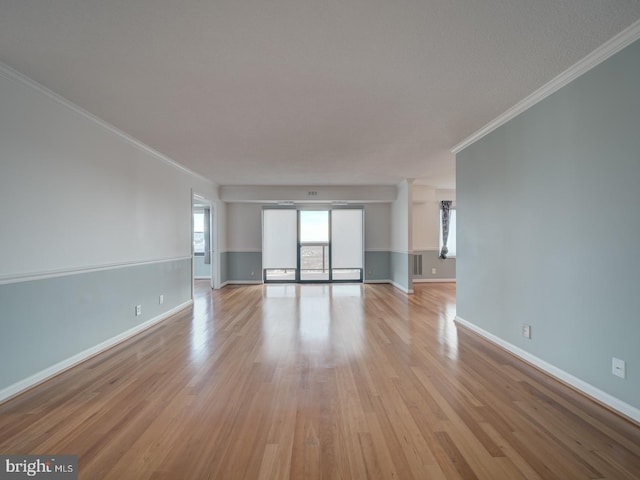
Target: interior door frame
[(213, 241)]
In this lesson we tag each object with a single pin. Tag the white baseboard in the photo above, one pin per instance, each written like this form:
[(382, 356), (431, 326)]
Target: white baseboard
[(587, 389), (201, 278), (434, 280), (240, 282), (377, 281), (401, 288), (44, 375)]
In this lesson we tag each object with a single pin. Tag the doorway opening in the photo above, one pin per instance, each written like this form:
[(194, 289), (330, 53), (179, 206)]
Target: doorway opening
[(203, 239)]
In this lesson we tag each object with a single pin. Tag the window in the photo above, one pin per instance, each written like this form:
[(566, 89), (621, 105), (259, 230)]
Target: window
[(451, 241), (198, 232)]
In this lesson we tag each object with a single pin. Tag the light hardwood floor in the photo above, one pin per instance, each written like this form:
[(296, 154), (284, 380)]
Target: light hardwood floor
[(317, 381)]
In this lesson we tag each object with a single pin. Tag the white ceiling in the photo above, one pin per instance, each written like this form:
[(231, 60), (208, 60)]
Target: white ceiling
[(301, 92)]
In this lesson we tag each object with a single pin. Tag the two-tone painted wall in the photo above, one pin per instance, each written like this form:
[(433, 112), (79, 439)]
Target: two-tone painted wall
[(241, 257), (92, 224), (427, 264), (548, 229)]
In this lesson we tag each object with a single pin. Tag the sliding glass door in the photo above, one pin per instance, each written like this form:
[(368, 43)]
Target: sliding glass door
[(313, 245)]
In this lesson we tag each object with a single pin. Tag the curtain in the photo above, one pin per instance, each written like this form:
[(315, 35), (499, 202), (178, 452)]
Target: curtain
[(445, 207)]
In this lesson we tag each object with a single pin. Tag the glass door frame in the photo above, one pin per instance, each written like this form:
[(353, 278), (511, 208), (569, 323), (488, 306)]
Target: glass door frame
[(299, 245), (319, 208)]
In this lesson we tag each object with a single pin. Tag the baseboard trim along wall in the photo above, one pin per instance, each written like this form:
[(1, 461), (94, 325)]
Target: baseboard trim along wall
[(434, 280), (198, 277), (396, 285), (583, 387), (252, 282), (50, 372), (402, 288)]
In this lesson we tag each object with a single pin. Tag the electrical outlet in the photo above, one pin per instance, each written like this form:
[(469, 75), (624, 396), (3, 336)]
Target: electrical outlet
[(618, 367), (433, 271), (161, 299), (253, 273), (526, 330), (138, 310)]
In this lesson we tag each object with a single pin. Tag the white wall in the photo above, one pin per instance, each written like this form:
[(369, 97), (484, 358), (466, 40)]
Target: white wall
[(400, 214), (76, 194), (221, 224), (313, 193), (244, 227), (377, 227), (426, 216)]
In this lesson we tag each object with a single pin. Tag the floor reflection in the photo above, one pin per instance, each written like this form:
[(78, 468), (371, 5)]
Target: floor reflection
[(279, 324), (447, 330), (200, 340), (287, 290), (314, 314), (312, 320)]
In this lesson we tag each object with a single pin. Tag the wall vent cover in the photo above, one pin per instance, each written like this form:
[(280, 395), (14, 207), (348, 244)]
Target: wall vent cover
[(417, 264)]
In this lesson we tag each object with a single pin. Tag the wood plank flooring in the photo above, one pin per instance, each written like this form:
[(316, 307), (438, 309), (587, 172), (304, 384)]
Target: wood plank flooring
[(317, 381)]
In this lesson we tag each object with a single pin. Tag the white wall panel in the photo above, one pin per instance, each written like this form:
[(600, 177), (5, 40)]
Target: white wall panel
[(244, 232), (377, 224), (75, 194)]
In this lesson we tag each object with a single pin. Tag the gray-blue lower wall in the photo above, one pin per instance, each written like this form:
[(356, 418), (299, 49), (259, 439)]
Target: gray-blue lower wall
[(377, 266), (241, 267), (401, 270), (247, 266), (445, 269), (201, 269), (47, 321)]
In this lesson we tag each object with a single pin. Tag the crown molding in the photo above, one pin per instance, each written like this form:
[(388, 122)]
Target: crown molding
[(9, 73), (599, 55)]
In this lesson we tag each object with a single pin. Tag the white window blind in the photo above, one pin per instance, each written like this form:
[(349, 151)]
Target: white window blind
[(346, 238), (279, 238), (198, 232)]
